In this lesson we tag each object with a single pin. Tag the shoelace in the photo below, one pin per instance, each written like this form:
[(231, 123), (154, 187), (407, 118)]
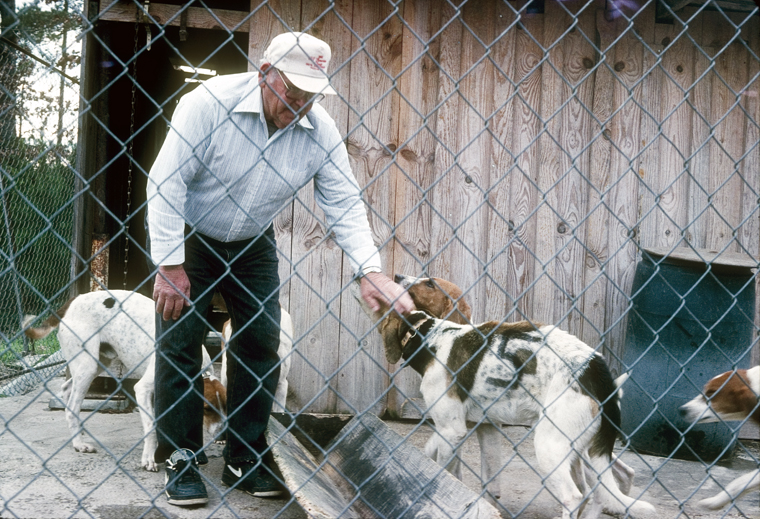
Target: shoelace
[(180, 466)]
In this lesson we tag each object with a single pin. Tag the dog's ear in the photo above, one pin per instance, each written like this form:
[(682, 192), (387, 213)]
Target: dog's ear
[(389, 329), (462, 314)]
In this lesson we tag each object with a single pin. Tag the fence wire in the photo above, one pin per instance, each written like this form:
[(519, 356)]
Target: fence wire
[(590, 166)]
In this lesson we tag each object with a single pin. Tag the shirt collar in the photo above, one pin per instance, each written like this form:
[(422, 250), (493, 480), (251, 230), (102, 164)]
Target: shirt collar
[(251, 102)]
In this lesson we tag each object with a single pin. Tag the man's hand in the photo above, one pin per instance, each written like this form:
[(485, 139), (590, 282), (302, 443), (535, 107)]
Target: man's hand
[(170, 300), (379, 291)]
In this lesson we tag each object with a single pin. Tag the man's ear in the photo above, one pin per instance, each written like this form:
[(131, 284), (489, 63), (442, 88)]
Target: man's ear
[(389, 329), (263, 71)]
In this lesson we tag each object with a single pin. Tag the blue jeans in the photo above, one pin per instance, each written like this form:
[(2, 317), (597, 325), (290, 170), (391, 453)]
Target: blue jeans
[(245, 273)]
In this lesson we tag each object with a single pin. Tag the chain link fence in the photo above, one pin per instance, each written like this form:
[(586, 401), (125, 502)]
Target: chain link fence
[(590, 165)]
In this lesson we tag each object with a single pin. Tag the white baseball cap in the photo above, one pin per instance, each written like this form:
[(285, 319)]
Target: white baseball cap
[(304, 60)]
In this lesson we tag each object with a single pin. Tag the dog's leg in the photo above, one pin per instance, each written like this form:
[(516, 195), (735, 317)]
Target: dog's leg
[(561, 437), (83, 369), (733, 490), (283, 350), (623, 475), (491, 459), (554, 453), (585, 479), (144, 391), (449, 415)]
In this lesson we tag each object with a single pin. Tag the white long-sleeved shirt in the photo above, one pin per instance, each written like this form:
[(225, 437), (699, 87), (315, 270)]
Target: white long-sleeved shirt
[(220, 172)]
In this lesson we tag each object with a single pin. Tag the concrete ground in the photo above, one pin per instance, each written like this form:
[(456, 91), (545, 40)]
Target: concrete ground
[(43, 477)]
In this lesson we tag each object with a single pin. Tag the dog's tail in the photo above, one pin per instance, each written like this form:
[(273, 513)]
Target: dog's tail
[(598, 383), (50, 324)]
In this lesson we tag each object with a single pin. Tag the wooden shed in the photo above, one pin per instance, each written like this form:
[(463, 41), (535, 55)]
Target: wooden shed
[(527, 151)]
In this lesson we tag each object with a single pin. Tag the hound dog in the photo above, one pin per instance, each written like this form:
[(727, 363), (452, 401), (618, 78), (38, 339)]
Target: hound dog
[(215, 423), (443, 299), (517, 373), (96, 328), (728, 396)]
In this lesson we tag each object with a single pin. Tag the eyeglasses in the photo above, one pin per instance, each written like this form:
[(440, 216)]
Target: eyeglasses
[(293, 93)]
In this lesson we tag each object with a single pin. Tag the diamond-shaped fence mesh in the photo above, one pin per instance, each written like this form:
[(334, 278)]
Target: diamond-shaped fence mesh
[(581, 177)]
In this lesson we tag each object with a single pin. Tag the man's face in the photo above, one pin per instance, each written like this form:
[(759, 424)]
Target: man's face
[(283, 103)]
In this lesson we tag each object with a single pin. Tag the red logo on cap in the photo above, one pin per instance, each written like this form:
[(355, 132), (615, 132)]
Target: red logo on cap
[(317, 62)]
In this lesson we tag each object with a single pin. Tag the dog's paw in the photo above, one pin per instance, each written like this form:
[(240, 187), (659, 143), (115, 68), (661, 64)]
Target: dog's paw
[(84, 447), (150, 466)]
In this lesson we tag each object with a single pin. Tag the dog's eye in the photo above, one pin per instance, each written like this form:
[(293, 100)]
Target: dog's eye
[(709, 393), (429, 283)]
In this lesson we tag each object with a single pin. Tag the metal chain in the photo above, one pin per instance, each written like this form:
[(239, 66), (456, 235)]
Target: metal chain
[(131, 149)]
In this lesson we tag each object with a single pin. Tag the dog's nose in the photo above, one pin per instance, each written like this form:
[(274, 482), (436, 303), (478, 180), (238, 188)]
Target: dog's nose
[(398, 278)]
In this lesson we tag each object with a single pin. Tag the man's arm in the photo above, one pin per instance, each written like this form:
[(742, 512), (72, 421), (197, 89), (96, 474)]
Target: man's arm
[(177, 161)]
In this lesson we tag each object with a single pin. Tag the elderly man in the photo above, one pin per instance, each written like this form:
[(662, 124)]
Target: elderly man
[(239, 149)]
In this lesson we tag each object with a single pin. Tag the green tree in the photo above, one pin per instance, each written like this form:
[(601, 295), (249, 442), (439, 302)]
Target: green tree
[(36, 166)]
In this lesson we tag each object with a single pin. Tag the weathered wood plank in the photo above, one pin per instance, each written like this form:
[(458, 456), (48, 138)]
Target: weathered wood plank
[(447, 127), (501, 283), (466, 183), (573, 187), (166, 14), (599, 175), (314, 431), (727, 145), (394, 479), (314, 487), (372, 137), (524, 193), (750, 233), (556, 22), (675, 146), (622, 195), (414, 165), (649, 161), (567, 97), (699, 165), (749, 168)]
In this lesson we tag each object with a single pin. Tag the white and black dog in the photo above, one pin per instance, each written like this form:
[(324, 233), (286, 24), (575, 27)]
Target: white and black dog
[(94, 329), (517, 373), (443, 299), (728, 396), (98, 327)]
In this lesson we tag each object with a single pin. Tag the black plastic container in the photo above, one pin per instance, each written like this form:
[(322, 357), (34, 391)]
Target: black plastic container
[(692, 319)]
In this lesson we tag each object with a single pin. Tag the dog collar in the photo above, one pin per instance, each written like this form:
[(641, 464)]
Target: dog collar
[(412, 332)]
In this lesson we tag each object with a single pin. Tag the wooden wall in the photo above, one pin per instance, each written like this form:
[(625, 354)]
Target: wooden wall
[(507, 154)]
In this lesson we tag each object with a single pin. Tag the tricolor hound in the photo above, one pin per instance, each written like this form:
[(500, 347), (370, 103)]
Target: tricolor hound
[(214, 424), (445, 300), (729, 396), (518, 373)]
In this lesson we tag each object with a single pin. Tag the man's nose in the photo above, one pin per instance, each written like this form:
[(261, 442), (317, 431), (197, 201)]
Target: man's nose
[(298, 104)]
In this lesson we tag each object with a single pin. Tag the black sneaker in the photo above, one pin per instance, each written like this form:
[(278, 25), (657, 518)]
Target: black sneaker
[(184, 486), (254, 479)]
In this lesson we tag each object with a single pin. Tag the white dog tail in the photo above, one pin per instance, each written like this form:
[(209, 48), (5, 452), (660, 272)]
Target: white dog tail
[(732, 491), (50, 324)]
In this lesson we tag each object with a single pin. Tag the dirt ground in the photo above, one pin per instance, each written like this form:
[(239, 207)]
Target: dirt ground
[(43, 477)]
